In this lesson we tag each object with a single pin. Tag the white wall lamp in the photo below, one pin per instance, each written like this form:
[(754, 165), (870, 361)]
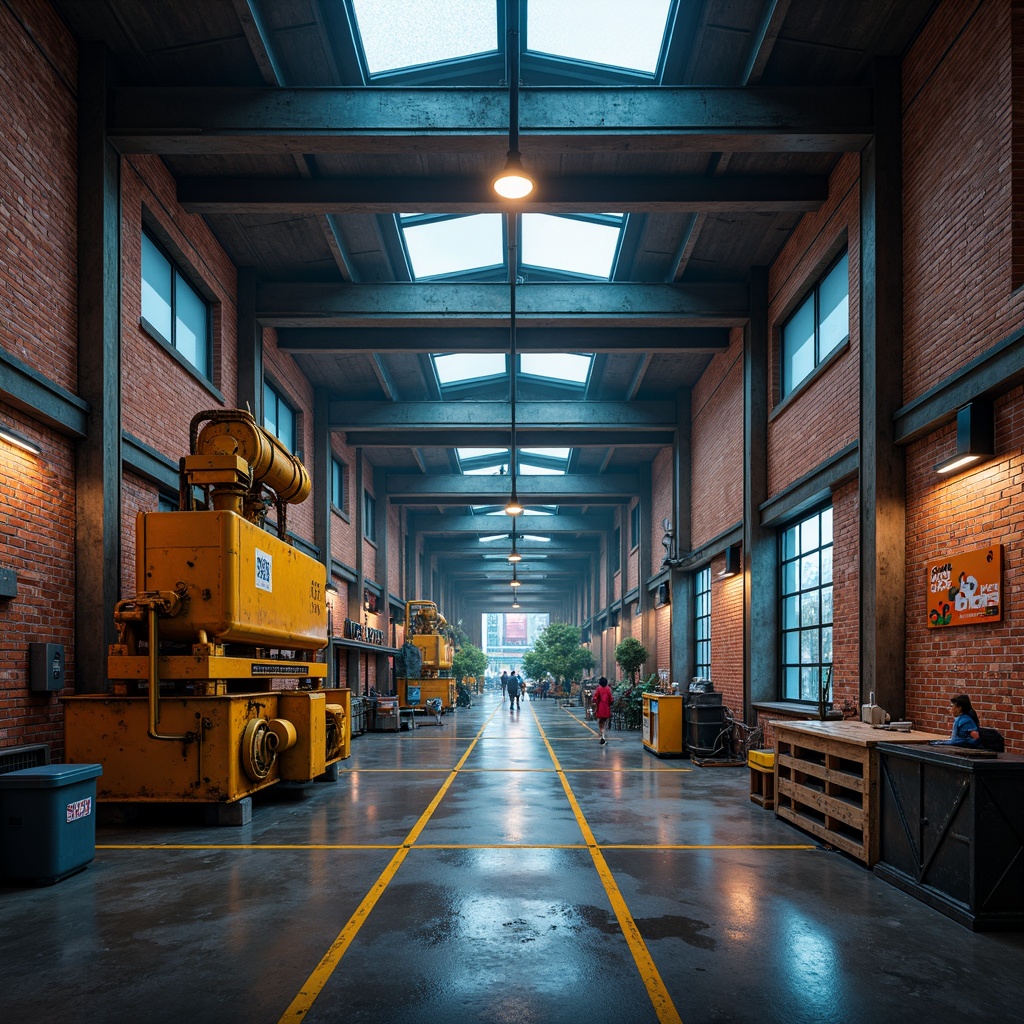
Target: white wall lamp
[(19, 441), (732, 562), (975, 437)]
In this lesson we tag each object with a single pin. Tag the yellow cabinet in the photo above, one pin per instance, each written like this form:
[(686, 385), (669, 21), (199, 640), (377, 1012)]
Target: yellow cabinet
[(662, 726)]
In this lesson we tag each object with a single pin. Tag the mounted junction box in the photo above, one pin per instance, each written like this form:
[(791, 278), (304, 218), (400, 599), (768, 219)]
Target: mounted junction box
[(45, 667)]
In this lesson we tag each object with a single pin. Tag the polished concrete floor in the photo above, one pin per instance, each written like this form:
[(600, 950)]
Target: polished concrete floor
[(501, 868)]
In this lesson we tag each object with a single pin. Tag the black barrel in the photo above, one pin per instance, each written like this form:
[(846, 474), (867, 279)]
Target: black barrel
[(705, 729)]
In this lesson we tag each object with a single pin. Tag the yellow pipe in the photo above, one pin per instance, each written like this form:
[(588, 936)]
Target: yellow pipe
[(154, 684)]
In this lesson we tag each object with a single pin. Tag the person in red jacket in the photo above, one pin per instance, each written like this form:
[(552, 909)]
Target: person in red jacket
[(602, 700)]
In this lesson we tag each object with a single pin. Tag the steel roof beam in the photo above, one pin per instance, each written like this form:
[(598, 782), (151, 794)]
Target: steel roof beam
[(211, 120), (594, 304), (410, 488)]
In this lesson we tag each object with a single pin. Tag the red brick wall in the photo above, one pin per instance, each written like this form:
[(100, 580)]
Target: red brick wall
[(958, 291), (717, 444), (343, 534), (958, 303), (37, 517), (802, 434), (726, 637), (971, 510), (38, 190), (661, 504), (38, 325), (846, 598)]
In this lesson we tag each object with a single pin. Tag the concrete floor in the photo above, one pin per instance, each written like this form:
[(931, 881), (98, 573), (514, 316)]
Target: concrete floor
[(623, 889)]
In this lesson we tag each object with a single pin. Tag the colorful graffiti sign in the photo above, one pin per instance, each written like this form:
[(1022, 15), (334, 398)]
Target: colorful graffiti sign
[(966, 589)]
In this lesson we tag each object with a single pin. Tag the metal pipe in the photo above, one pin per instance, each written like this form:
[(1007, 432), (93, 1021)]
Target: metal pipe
[(154, 685)]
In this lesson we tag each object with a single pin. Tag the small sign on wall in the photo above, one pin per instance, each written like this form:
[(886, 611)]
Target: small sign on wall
[(966, 589)]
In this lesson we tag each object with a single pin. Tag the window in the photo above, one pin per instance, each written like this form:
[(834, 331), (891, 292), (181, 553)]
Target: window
[(279, 418), (819, 326), (338, 484), (634, 526), (806, 561), (702, 623), (172, 309), (369, 516), (616, 552)]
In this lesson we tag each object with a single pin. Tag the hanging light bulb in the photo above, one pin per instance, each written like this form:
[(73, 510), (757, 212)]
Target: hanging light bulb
[(515, 603), (513, 555), (513, 508), (513, 182), (515, 582)]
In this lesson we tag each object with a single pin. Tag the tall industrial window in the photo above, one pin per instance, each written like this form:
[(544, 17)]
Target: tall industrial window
[(818, 327), (172, 309), (702, 623), (279, 417), (369, 516), (806, 605), (338, 484), (634, 526)]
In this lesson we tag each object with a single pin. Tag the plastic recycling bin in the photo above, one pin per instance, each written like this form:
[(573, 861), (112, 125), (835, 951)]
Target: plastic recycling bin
[(47, 821)]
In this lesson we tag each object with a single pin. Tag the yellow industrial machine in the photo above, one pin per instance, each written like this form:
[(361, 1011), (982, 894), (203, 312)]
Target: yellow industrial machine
[(216, 687), (427, 629)]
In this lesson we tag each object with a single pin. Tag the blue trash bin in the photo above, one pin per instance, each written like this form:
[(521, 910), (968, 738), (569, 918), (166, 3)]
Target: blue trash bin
[(47, 821)]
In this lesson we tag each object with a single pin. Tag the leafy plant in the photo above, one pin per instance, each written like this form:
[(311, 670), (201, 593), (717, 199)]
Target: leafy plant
[(558, 651), (469, 660), (630, 655)]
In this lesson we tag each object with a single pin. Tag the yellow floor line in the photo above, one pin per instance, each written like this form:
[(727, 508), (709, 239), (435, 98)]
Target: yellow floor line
[(649, 974), (315, 983)]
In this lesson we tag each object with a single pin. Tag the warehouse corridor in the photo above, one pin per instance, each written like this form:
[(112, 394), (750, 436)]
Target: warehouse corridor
[(500, 868)]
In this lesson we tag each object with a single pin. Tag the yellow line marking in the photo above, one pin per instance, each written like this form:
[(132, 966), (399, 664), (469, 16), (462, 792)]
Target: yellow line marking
[(455, 846), (656, 990), (315, 983)]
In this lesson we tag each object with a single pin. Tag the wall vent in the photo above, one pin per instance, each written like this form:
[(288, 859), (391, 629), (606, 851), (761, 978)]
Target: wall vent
[(13, 759)]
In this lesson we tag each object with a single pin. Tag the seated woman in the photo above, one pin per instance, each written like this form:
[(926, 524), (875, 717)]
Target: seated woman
[(965, 724)]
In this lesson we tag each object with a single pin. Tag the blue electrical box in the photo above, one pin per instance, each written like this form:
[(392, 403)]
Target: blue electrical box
[(47, 821)]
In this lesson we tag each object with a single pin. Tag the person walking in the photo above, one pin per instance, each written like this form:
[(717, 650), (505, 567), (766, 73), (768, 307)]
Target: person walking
[(504, 684), (513, 691), (602, 706)]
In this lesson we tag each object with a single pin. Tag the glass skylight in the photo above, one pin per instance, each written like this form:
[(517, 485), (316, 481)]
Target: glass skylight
[(455, 244), (456, 367), (526, 469), (565, 243), (406, 33), (477, 453), (623, 35), (561, 366), (551, 453)]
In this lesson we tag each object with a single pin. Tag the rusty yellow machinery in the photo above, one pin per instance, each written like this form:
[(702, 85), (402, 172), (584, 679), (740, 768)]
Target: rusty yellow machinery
[(427, 629), (216, 686)]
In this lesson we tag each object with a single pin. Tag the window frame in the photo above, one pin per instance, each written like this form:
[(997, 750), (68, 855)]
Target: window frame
[(634, 527), (282, 400), (339, 472), (787, 665), (369, 517), (615, 554), (813, 295), (177, 274), (702, 622)]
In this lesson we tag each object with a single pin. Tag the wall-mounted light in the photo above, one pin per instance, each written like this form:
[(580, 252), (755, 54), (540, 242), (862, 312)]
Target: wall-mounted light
[(975, 437), (663, 595), (19, 441), (732, 562)]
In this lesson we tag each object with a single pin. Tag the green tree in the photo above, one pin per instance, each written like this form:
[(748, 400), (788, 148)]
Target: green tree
[(558, 650), (630, 654), (469, 660)]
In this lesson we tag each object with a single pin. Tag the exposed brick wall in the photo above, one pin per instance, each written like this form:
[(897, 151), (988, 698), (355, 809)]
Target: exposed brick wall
[(958, 292), (661, 504), (37, 516), (38, 190), (662, 638), (973, 509), (38, 325), (159, 395), (726, 637), (824, 416), (846, 598), (717, 445), (343, 534), (958, 303)]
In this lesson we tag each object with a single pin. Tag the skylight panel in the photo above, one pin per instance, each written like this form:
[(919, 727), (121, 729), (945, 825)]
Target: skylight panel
[(454, 245), (406, 33), (479, 453), (526, 469), (550, 453), (610, 32), (560, 366), (565, 243), (456, 367)]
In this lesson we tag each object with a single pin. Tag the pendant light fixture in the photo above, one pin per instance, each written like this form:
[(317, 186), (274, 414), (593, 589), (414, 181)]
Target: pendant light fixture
[(513, 508), (513, 555), (513, 182), (515, 581)]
